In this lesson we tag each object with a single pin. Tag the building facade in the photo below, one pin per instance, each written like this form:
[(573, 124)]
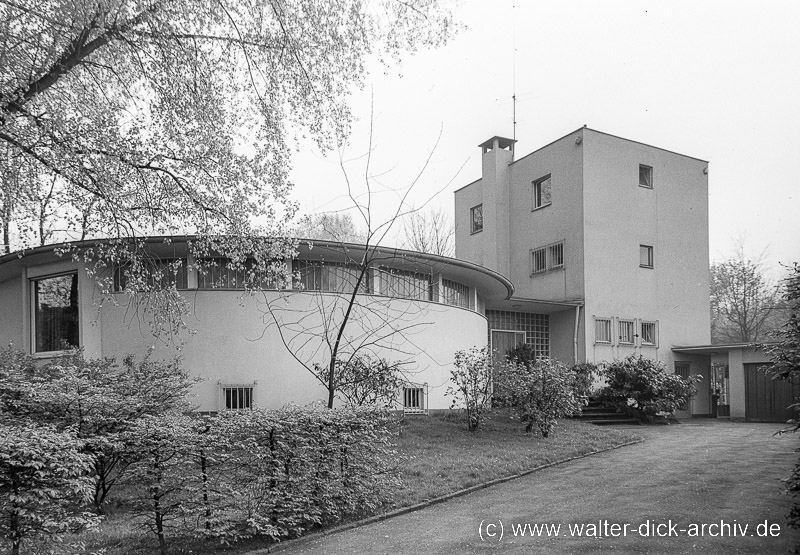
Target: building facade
[(606, 237), (257, 348)]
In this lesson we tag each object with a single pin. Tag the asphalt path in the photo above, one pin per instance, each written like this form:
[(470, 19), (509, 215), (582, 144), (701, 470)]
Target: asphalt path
[(704, 486)]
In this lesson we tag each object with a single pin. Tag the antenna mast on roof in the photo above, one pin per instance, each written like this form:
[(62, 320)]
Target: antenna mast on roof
[(514, 72)]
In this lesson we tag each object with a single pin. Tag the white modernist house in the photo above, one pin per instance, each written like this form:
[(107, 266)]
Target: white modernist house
[(604, 239), (414, 309)]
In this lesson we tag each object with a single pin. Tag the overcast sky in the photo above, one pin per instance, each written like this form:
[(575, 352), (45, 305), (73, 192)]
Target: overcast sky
[(713, 80)]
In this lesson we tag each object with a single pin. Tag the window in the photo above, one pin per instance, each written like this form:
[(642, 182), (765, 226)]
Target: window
[(547, 258), (645, 176), (534, 327), (237, 397), (539, 260), (648, 334), (645, 256), (476, 218), (414, 400), (222, 273), (602, 330), (456, 294), (405, 284), (556, 255), (334, 277), (55, 304), (625, 332), (153, 274), (541, 192)]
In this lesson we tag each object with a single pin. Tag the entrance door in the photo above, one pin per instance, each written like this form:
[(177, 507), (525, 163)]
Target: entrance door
[(503, 341), (683, 369), (767, 400), (720, 390)]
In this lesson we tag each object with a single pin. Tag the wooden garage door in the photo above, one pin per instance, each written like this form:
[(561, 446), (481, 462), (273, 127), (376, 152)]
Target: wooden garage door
[(766, 400)]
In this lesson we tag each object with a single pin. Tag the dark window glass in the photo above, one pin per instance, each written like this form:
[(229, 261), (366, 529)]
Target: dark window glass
[(56, 318)]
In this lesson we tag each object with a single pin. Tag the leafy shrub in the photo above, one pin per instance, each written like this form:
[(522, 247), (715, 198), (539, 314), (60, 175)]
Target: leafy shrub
[(98, 399), (44, 480), (540, 391), (273, 473), (364, 381), (472, 384), (643, 388), (584, 374)]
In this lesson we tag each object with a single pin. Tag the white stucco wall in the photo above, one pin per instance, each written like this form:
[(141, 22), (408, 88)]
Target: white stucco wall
[(237, 342), (672, 217)]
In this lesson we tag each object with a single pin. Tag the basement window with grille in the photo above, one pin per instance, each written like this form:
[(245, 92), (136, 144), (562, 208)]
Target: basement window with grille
[(414, 398), (236, 396)]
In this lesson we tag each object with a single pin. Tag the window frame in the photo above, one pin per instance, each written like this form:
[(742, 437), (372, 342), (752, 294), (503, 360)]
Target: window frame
[(630, 326), (33, 298), (654, 325), (649, 173), (607, 325), (420, 392), (536, 192), (541, 255), (650, 256), (224, 387), (545, 255), (472, 211)]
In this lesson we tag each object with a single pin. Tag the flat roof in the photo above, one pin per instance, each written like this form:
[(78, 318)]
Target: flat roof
[(715, 349)]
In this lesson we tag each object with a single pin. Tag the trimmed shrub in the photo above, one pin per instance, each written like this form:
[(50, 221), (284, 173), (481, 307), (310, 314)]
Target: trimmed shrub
[(271, 473), (472, 384), (540, 391), (643, 388), (44, 482)]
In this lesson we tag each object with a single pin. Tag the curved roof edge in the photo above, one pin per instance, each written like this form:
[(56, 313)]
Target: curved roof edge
[(306, 246)]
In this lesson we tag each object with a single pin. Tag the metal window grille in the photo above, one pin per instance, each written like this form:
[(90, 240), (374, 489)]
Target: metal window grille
[(539, 257), (405, 284), (414, 400), (648, 333), (556, 253), (159, 274), (625, 331), (333, 277), (602, 330), (237, 397), (456, 294)]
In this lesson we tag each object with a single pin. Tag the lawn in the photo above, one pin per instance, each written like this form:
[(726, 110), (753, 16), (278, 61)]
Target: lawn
[(437, 456)]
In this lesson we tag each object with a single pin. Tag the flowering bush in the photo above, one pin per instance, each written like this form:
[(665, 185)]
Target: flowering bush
[(540, 391), (472, 384), (643, 388), (44, 482)]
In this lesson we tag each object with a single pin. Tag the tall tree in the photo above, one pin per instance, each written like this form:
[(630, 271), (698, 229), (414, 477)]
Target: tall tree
[(745, 304), (430, 231), (169, 117)]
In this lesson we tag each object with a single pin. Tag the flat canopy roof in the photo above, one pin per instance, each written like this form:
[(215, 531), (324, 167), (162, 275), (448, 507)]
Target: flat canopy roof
[(716, 349)]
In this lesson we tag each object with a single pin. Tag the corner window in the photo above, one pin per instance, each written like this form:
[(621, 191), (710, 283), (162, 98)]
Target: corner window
[(648, 334), (645, 256), (541, 192), (236, 397), (645, 176), (55, 301), (625, 332), (476, 218), (602, 330)]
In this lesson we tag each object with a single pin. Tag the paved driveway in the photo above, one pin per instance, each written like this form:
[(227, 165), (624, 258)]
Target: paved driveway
[(702, 472)]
